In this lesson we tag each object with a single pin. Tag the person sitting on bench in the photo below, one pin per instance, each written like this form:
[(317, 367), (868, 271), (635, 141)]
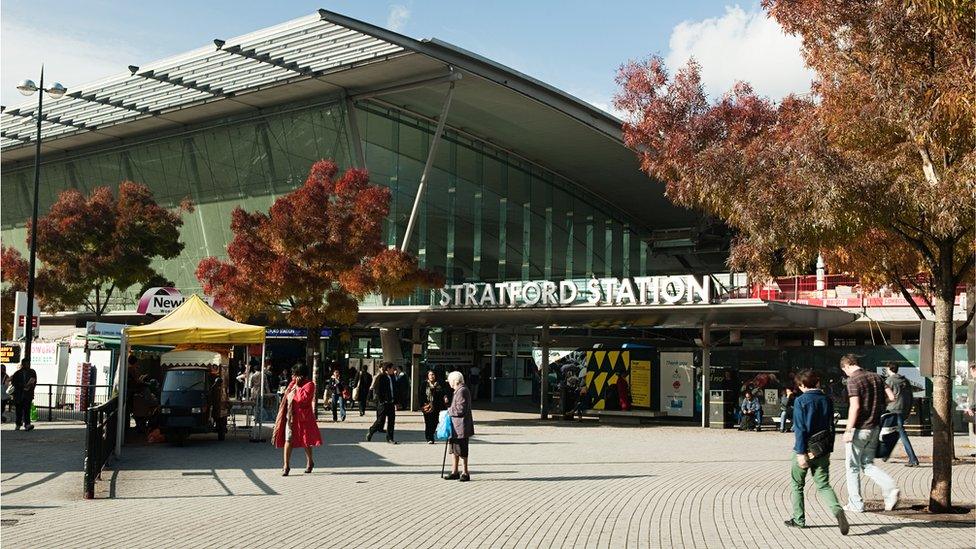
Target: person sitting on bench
[(751, 413)]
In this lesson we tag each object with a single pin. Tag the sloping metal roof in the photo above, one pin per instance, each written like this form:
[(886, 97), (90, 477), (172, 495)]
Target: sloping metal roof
[(300, 49), (328, 54)]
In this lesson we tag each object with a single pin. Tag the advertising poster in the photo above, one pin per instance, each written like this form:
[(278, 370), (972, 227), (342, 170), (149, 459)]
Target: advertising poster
[(640, 383), (678, 384)]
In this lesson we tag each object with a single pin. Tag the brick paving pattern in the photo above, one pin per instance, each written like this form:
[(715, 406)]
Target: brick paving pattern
[(558, 484)]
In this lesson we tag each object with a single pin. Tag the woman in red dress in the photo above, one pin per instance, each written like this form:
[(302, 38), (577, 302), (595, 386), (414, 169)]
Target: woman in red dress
[(295, 426)]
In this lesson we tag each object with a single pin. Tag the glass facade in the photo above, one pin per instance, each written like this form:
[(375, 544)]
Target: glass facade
[(487, 215)]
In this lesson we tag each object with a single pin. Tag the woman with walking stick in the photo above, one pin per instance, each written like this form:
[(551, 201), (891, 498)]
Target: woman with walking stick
[(463, 424)]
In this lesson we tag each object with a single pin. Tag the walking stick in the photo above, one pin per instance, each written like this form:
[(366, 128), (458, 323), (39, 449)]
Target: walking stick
[(444, 462)]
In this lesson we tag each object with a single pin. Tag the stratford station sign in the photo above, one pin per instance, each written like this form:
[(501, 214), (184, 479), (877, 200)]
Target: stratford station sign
[(611, 292)]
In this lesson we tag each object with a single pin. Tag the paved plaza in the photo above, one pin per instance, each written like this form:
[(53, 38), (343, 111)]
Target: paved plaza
[(553, 484)]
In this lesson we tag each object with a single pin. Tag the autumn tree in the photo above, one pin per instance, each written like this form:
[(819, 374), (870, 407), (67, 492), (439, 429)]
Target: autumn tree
[(874, 168), (92, 247), (313, 256), (13, 279)]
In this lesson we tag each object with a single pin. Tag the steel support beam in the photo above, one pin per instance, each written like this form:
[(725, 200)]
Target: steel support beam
[(435, 141), (264, 58), (53, 120), (406, 85), (90, 98), (192, 85), (352, 123), (544, 374), (706, 339)]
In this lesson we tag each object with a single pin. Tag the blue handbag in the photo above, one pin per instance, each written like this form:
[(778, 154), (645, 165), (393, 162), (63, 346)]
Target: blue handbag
[(445, 428)]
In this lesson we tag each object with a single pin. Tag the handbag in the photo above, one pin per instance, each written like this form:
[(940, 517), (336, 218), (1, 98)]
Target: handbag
[(445, 427), (820, 443), (355, 393)]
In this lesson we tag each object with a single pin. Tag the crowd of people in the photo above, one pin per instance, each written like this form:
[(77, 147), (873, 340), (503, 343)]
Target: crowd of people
[(296, 426)]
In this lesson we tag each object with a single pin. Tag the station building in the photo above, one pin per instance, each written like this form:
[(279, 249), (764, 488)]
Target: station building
[(530, 197)]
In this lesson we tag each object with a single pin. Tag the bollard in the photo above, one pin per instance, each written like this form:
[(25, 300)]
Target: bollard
[(50, 399)]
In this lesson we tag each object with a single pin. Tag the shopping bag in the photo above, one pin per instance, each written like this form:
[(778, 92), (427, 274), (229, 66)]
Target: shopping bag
[(445, 429), (33, 413)]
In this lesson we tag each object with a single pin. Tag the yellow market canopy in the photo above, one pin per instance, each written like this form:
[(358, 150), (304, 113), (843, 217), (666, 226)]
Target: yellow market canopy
[(194, 322)]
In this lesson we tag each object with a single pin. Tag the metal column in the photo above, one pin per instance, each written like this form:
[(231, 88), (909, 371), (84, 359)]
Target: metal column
[(435, 141), (706, 339), (515, 338), (544, 375), (492, 364), (415, 368)]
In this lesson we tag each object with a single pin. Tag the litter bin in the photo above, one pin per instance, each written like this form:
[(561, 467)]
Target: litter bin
[(721, 409), (919, 421)]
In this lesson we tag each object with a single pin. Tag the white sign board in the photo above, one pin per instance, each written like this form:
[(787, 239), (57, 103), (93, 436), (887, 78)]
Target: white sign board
[(678, 384), (20, 316), (610, 292), (162, 301)]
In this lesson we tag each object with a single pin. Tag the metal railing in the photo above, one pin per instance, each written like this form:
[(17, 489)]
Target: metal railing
[(101, 423), (60, 402)]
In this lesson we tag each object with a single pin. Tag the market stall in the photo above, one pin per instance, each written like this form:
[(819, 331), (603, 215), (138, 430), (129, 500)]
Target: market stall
[(193, 322)]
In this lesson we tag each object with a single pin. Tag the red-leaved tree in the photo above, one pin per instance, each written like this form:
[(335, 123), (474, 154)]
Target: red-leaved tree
[(13, 279), (91, 247), (313, 256), (874, 169)]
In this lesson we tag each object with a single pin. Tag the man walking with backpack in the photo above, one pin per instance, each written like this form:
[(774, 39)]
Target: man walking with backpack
[(901, 395), (813, 414), (867, 396)]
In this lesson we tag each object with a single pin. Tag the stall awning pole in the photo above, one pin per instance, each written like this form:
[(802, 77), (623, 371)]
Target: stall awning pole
[(123, 387)]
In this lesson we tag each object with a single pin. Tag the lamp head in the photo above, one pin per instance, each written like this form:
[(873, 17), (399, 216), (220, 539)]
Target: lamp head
[(56, 91), (27, 87)]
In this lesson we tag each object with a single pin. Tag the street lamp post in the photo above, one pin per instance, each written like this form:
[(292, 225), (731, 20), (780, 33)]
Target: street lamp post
[(27, 87)]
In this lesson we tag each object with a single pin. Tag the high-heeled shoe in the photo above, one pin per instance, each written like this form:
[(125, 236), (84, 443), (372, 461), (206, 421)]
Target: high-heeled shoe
[(310, 467), (285, 471)]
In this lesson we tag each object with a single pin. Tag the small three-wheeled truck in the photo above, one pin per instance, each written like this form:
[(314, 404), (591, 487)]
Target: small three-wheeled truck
[(190, 402)]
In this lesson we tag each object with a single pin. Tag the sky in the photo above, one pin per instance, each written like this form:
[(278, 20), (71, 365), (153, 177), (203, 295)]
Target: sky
[(576, 46)]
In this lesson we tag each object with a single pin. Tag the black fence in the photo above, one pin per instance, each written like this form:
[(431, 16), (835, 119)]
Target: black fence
[(57, 402), (101, 425)]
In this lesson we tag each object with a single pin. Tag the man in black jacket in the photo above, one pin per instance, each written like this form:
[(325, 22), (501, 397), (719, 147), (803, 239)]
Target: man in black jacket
[(384, 390), (24, 381)]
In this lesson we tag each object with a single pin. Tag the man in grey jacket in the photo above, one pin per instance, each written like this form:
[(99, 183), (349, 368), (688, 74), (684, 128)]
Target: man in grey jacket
[(900, 395)]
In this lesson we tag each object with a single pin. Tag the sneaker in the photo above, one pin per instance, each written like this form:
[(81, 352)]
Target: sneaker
[(851, 509), (430, 442), (452, 476), (29, 427), (842, 523), (891, 500), (369, 436), (17, 428), (912, 464), (465, 477), (793, 524), (390, 441)]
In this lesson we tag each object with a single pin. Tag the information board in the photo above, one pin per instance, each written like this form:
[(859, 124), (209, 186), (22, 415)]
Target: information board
[(678, 384), (640, 383)]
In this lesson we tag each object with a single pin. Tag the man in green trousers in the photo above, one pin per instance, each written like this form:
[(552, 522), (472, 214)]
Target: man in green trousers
[(813, 415)]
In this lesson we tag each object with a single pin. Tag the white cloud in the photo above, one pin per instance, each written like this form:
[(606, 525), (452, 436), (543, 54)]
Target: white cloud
[(750, 47), (70, 60), (397, 18)]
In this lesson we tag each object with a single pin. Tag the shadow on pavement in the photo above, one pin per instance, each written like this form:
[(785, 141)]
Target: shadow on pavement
[(573, 478)]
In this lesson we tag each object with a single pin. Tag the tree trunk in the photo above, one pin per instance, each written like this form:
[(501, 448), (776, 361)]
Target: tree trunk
[(940, 498), (312, 361)]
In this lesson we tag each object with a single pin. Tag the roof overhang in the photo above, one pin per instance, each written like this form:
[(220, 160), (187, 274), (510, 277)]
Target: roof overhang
[(732, 314), (330, 55)]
